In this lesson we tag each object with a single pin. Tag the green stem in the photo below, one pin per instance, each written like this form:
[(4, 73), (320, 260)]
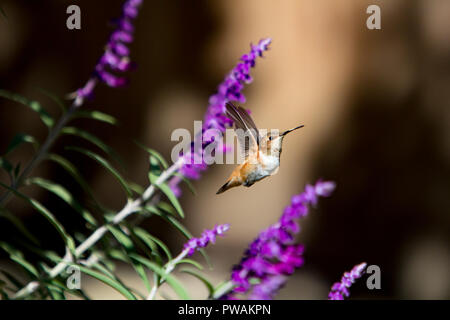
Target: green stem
[(168, 268), (223, 290)]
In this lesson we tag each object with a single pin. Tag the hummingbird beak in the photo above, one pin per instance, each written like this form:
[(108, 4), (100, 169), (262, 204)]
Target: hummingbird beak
[(290, 130)]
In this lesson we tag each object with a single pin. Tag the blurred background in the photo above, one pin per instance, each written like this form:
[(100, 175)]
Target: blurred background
[(375, 103)]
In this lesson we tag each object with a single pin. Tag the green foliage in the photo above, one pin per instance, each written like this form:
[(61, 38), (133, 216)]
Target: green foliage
[(125, 241), (2, 12), (151, 242), (171, 280), (155, 154), (33, 105), (4, 213), (92, 139), (18, 257), (111, 280), (76, 175), (105, 164), (6, 165), (60, 103), (19, 139), (64, 195), (95, 115), (68, 240), (202, 278)]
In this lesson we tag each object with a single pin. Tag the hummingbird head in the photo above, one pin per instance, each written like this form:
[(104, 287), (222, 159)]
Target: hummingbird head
[(273, 141)]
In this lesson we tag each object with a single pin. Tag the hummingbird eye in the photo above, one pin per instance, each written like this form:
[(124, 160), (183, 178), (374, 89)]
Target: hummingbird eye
[(270, 137)]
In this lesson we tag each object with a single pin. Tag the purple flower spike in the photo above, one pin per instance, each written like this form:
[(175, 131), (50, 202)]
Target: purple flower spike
[(208, 236), (273, 255), (229, 89), (116, 55), (339, 290)]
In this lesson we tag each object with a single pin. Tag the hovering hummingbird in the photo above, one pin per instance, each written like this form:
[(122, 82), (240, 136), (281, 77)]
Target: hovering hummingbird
[(262, 153)]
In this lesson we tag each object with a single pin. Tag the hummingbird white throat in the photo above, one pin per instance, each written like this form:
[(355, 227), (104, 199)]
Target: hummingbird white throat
[(262, 153)]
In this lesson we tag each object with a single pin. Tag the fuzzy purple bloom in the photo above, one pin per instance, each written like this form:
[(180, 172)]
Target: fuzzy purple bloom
[(229, 90), (273, 255), (339, 290), (207, 237), (116, 55)]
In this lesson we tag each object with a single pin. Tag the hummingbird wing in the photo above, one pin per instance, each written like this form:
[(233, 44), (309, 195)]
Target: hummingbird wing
[(242, 120)]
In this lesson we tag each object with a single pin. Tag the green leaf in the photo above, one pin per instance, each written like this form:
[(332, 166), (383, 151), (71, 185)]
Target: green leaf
[(222, 289), (18, 224), (3, 13), (126, 242), (155, 168), (73, 171), (153, 209), (14, 281), (192, 262), (148, 239), (91, 138), (155, 154), (106, 165), (18, 257), (168, 193), (140, 270), (56, 283), (118, 255), (147, 244), (121, 237), (6, 165), (200, 277), (113, 283), (178, 225), (105, 270), (55, 99), (33, 105), (65, 195), (48, 215), (3, 293), (167, 208), (47, 255), (19, 139), (56, 293), (95, 115), (171, 280), (136, 188)]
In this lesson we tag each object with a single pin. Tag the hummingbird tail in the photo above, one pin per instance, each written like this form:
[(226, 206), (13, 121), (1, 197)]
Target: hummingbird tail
[(223, 188), (228, 185)]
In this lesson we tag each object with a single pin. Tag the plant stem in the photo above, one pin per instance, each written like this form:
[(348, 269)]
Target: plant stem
[(168, 269), (128, 209), (224, 289)]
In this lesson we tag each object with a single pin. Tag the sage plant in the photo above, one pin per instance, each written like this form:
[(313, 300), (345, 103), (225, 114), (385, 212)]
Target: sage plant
[(339, 290), (116, 56), (274, 255)]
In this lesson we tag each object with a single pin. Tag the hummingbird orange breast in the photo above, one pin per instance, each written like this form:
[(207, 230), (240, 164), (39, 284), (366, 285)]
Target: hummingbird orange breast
[(257, 168)]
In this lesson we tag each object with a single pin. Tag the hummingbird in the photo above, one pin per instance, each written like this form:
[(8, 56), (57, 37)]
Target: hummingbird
[(261, 153)]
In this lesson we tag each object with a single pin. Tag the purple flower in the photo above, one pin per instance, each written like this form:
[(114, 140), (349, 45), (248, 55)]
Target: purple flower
[(273, 255), (339, 290), (208, 236), (116, 55), (229, 89)]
